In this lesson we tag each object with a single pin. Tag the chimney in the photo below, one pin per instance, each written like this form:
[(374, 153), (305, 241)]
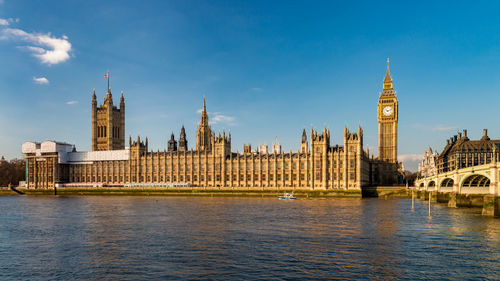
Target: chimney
[(485, 132), (454, 138), (447, 141), (465, 133), (459, 135)]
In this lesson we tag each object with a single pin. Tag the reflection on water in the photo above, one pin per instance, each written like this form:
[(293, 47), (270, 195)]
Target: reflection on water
[(242, 238)]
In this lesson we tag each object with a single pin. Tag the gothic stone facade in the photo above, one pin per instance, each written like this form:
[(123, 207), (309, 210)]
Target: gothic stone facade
[(427, 167), (316, 165), (108, 124)]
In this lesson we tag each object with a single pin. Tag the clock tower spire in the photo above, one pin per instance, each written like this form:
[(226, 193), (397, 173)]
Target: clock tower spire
[(387, 113)]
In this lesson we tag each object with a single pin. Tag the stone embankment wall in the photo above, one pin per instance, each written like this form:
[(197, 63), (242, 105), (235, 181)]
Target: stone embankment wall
[(193, 191)]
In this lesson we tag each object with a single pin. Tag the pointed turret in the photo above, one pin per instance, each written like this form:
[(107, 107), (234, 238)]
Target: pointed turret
[(387, 78), (183, 132), (183, 140), (204, 115), (109, 98), (204, 133), (304, 136), (172, 144)]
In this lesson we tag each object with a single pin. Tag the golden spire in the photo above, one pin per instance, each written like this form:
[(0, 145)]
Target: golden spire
[(204, 115), (388, 79)]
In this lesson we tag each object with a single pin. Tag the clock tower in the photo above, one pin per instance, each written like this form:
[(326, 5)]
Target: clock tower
[(387, 113)]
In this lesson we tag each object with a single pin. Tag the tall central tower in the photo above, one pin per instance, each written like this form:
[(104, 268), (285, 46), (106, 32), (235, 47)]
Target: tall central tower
[(108, 124), (387, 114), (204, 133)]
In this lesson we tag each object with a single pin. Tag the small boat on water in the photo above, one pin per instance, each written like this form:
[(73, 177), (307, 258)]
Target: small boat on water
[(287, 196)]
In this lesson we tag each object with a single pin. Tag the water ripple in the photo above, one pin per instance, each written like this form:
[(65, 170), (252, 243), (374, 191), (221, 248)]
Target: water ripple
[(131, 238)]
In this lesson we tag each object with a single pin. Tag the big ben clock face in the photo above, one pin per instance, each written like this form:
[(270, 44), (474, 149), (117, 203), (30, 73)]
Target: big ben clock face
[(387, 111)]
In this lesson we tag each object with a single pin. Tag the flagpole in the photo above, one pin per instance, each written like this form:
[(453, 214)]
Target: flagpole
[(108, 79)]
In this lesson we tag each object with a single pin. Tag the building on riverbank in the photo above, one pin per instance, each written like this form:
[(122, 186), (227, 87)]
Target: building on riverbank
[(466, 167), (461, 152), (318, 164), (427, 166)]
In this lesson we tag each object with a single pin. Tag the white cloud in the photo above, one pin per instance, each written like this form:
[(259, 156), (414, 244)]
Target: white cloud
[(72, 102), (409, 157), (41, 80), (410, 161), (221, 118), (47, 48), (218, 117), (8, 21)]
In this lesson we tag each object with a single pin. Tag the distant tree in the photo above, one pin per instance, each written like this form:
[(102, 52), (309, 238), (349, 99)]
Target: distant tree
[(11, 172)]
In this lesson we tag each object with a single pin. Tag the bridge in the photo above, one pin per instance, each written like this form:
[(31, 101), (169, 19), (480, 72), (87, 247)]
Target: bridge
[(482, 179)]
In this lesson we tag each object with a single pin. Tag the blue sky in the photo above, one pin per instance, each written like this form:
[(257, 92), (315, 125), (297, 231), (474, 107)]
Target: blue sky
[(267, 69)]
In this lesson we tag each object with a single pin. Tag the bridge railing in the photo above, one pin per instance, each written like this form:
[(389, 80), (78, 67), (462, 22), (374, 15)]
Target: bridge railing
[(475, 190), (446, 189)]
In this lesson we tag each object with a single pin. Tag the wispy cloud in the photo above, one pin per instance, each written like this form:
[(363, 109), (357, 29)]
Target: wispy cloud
[(47, 48), (257, 89), (5, 22), (435, 127), (444, 128), (219, 118), (41, 80), (72, 102)]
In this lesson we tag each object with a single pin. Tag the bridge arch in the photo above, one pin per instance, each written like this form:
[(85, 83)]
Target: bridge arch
[(446, 184), (431, 185), (475, 184)]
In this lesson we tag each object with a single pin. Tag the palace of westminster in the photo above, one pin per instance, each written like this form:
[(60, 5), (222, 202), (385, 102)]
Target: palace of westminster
[(317, 165)]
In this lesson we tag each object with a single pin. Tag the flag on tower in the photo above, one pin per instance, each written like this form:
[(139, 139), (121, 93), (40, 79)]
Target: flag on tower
[(106, 76)]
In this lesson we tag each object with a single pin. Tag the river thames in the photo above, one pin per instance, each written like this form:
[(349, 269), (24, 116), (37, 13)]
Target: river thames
[(130, 238)]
